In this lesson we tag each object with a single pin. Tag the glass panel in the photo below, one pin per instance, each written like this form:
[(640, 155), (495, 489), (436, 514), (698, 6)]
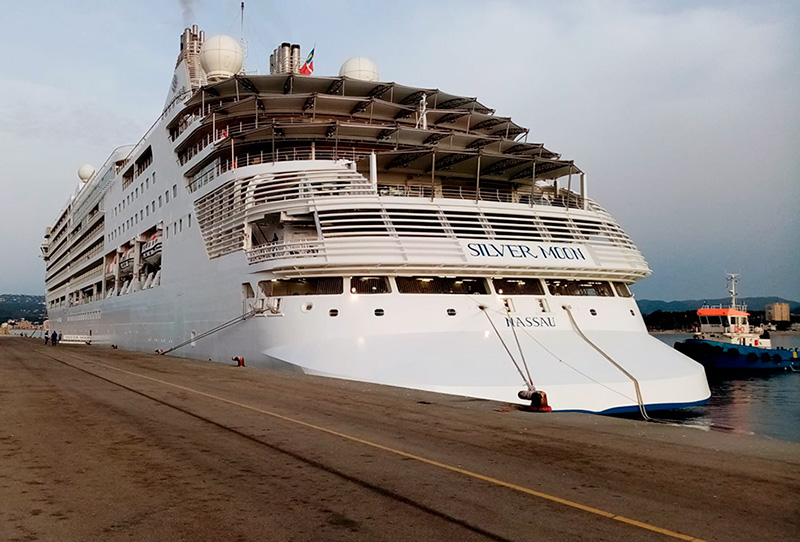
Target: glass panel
[(369, 285), (309, 286), (518, 286), (441, 285), (592, 288), (622, 289)]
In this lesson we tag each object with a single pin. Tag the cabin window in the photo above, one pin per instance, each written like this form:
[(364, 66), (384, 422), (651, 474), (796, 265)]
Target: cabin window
[(159, 202), (711, 320), (441, 285), (522, 286), (369, 285), (622, 289), (590, 288), (306, 286), (189, 221), (174, 190), (147, 182)]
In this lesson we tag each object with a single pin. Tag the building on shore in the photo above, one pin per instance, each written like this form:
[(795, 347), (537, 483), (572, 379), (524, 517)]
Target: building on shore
[(777, 312)]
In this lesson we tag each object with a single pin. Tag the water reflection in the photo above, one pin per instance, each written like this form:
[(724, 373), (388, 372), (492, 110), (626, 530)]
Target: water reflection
[(767, 405)]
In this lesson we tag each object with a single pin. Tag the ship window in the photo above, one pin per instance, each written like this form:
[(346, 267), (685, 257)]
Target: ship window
[(148, 210), (369, 285), (180, 225), (622, 289), (154, 177), (305, 286), (147, 182), (441, 285), (522, 286), (159, 201), (598, 288), (174, 190), (136, 192), (189, 221)]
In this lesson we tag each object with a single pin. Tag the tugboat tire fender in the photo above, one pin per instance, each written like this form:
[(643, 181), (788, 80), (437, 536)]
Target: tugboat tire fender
[(733, 352), (752, 357)]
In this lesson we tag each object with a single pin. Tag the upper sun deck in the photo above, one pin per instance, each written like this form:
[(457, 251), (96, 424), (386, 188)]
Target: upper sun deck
[(414, 131)]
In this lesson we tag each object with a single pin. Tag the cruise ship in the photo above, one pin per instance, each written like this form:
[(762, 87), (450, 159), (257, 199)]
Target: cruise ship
[(353, 228)]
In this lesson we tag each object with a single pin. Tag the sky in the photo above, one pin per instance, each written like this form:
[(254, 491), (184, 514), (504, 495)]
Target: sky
[(684, 115)]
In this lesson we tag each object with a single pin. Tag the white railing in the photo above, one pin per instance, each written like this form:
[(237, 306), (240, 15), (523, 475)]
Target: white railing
[(564, 199), (281, 250), (394, 249)]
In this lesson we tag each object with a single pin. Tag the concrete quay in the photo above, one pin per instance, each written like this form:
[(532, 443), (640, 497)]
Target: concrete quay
[(100, 444)]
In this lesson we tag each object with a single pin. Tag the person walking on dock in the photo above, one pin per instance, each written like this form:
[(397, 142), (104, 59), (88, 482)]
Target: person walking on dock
[(54, 338), (46, 338)]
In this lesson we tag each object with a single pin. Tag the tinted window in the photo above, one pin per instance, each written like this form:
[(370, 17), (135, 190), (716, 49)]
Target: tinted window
[(622, 289), (308, 286), (369, 285), (441, 285), (518, 286), (593, 288)]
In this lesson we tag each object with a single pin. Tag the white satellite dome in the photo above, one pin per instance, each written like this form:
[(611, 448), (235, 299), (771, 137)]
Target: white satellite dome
[(221, 57), (85, 172), (359, 67)]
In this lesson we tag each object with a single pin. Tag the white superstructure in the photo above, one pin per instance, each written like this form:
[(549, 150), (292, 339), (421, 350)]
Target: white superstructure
[(357, 229)]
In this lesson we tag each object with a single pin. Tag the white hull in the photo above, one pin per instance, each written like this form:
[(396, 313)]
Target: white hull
[(415, 344)]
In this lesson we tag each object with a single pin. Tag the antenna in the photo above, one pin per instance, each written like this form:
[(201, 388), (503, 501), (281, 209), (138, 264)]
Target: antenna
[(241, 27), (732, 279)]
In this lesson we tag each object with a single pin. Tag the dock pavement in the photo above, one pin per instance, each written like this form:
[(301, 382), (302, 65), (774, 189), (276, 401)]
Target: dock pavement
[(100, 444)]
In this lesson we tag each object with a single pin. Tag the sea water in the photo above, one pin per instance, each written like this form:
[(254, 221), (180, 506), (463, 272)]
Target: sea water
[(766, 405)]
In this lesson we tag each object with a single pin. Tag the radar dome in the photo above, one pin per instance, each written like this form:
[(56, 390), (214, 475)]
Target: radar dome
[(85, 172), (221, 57), (359, 67)]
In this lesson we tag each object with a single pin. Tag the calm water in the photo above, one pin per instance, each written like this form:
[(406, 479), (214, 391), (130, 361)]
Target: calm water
[(766, 405)]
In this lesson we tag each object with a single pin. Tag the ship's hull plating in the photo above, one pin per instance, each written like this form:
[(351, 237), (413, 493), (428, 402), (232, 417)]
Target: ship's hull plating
[(416, 342)]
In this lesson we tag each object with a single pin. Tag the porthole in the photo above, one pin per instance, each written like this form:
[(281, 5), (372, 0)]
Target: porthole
[(379, 312), (593, 312), (333, 312), (307, 306), (451, 312), (633, 313)]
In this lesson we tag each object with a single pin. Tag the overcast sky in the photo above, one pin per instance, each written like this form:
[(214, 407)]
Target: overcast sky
[(684, 115)]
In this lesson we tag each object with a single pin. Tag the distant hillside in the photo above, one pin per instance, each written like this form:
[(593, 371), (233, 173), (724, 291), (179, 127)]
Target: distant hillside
[(648, 306), (16, 306)]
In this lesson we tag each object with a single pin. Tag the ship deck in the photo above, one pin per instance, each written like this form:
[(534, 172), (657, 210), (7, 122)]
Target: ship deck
[(102, 444)]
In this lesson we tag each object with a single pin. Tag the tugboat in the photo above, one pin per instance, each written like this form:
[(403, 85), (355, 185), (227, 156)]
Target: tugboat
[(727, 341)]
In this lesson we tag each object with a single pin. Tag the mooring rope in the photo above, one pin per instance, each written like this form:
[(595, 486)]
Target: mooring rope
[(639, 399), (528, 383), (211, 331)]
